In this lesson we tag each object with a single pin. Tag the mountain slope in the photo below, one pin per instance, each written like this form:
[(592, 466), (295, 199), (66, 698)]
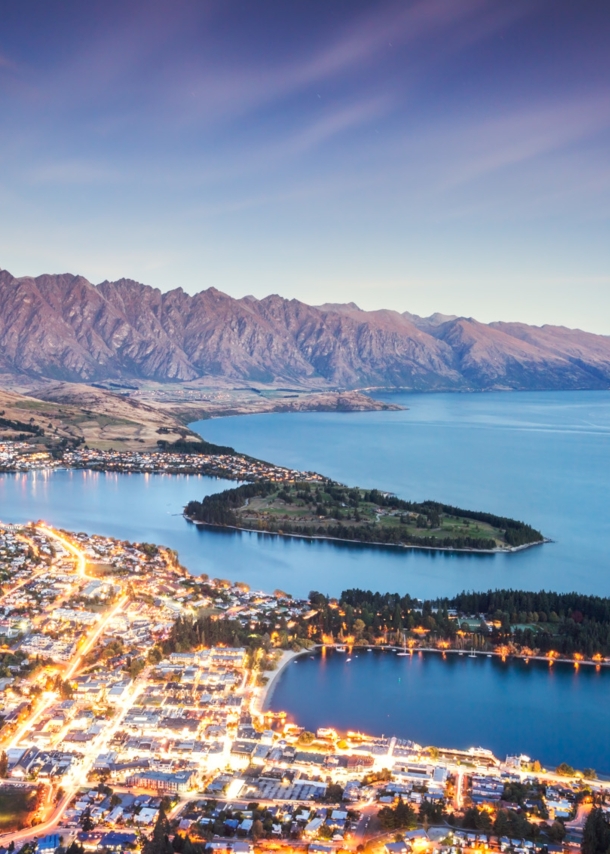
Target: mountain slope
[(63, 327)]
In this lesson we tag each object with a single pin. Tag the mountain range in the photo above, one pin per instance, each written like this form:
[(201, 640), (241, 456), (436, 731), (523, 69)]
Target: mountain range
[(62, 327)]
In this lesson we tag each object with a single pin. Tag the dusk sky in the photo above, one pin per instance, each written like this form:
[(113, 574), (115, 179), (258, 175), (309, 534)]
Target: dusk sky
[(434, 155)]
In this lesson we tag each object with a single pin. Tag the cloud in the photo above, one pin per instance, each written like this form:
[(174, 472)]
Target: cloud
[(225, 93), (522, 135)]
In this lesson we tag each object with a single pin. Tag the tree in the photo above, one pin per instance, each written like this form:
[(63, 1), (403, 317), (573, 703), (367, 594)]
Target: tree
[(401, 816), (3, 764), (431, 813), (257, 829), (596, 835), (334, 793), (190, 847), (565, 770), (86, 822), (359, 627), (557, 831), (477, 820), (159, 842)]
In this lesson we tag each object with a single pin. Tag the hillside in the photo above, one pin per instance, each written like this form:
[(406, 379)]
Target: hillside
[(62, 327), (82, 415)]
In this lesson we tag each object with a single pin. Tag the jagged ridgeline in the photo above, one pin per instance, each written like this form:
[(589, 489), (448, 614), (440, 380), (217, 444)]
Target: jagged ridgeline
[(331, 510)]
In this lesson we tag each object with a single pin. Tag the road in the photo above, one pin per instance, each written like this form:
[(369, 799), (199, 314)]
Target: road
[(51, 825), (47, 700), (367, 812)]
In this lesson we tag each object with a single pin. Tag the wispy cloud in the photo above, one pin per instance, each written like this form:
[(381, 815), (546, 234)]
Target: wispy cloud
[(522, 135), (221, 93)]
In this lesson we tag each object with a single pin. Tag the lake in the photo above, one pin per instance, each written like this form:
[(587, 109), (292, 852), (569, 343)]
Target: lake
[(540, 457), (554, 714)]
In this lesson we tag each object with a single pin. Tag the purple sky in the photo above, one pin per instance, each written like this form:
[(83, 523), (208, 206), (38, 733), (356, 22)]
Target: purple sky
[(434, 155)]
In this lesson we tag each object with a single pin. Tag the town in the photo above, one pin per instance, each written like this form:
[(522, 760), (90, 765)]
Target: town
[(133, 702), (24, 456)]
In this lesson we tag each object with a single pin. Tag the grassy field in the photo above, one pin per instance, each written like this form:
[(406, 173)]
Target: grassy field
[(16, 807), (96, 417), (321, 508)]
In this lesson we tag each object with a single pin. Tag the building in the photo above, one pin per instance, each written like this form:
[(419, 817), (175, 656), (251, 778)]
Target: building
[(163, 781)]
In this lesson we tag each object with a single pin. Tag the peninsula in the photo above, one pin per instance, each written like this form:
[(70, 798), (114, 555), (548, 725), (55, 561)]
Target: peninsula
[(330, 510), (288, 502)]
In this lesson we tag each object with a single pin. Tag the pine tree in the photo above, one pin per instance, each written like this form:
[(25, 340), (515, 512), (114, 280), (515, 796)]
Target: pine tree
[(86, 822), (596, 836), (159, 842)]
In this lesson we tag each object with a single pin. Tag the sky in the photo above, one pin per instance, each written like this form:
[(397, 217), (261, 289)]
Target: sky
[(422, 155)]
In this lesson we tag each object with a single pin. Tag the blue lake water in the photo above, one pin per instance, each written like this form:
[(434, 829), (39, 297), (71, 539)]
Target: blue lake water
[(555, 714), (541, 457)]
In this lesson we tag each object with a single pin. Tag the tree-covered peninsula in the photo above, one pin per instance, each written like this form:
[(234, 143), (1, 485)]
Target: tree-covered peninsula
[(333, 511)]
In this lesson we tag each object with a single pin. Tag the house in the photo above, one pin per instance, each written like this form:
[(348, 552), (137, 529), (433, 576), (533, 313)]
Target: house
[(313, 826), (89, 840), (416, 836), (115, 841), (49, 844), (146, 815)]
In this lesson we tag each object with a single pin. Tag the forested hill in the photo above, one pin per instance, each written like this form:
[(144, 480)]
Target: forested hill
[(334, 511)]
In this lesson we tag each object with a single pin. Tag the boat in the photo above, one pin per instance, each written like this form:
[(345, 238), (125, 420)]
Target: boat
[(404, 647), (340, 648)]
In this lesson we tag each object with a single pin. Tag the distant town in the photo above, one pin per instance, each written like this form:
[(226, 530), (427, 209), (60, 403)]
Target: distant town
[(133, 704), (24, 456)]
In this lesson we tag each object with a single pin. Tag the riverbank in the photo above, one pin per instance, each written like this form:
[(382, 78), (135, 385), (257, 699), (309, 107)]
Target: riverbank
[(364, 543)]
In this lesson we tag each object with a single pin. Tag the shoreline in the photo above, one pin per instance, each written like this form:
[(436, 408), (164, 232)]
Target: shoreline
[(261, 701), (264, 694), (508, 550), (472, 653)]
